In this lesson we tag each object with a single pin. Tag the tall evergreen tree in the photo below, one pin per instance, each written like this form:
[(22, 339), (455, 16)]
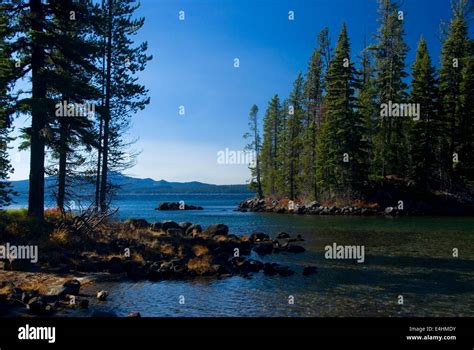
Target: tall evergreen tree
[(6, 67), (390, 54), (313, 100), (455, 59), (341, 150), (272, 125), (367, 106), (293, 138), (123, 95), (254, 146), (424, 132)]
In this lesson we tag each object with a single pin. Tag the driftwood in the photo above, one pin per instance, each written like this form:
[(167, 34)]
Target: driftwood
[(87, 221)]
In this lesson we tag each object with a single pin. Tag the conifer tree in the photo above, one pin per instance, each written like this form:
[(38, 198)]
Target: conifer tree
[(390, 53), (293, 144), (455, 61), (272, 125), (425, 131), (341, 150), (254, 146), (313, 100)]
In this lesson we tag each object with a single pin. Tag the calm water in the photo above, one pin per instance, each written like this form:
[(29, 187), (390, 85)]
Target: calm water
[(403, 256)]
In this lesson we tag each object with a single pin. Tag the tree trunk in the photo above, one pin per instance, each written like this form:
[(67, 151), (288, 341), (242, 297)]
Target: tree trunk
[(38, 116), (63, 150), (105, 150)]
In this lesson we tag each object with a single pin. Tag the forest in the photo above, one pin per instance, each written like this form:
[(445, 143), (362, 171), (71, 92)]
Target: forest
[(72, 67), (348, 127)]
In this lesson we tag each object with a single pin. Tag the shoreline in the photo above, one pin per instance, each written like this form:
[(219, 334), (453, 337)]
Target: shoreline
[(136, 250)]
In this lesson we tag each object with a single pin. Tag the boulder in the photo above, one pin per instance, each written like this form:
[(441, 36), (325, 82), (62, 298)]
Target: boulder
[(257, 237), (217, 230), (185, 225), (175, 232), (37, 305), (166, 225), (102, 295), (283, 235), (71, 287), (193, 229), (157, 226), (135, 224), (263, 248)]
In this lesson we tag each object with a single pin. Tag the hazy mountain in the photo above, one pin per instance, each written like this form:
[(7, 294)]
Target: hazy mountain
[(127, 184)]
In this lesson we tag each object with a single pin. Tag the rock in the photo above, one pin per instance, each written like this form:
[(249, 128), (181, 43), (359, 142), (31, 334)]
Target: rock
[(134, 315), (157, 226), (102, 295), (389, 211), (259, 237), (193, 229), (283, 235), (309, 270), (166, 225), (177, 206), (185, 225), (115, 265), (217, 230), (295, 249), (174, 232), (254, 265), (27, 296), (37, 305), (264, 248), (71, 287), (270, 269), (135, 224)]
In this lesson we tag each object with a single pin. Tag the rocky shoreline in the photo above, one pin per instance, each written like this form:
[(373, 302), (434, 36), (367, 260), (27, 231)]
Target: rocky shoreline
[(443, 207), (138, 250)]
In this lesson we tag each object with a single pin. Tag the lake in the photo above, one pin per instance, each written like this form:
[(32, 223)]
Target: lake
[(406, 256)]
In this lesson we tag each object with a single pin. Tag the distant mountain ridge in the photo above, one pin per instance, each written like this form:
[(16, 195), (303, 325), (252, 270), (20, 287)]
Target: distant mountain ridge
[(129, 185)]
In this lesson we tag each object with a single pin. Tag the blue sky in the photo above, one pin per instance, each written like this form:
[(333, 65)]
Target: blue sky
[(193, 66)]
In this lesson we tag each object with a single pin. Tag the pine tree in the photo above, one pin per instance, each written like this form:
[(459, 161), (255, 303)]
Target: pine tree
[(341, 150), (254, 146), (272, 125), (313, 100), (455, 59), (123, 95), (424, 132), (6, 67), (293, 146), (390, 53), (367, 106), (282, 151)]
